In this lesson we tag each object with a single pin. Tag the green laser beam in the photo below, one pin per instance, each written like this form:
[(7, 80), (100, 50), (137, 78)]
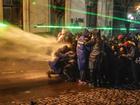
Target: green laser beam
[(72, 27), (2, 25), (94, 14), (78, 27)]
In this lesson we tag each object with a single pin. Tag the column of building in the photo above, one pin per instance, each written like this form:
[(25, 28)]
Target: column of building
[(1, 10), (67, 12), (105, 16), (91, 7), (26, 21)]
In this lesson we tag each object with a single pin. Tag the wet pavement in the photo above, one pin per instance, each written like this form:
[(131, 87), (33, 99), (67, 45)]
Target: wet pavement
[(19, 71), (32, 87), (63, 93), (16, 95)]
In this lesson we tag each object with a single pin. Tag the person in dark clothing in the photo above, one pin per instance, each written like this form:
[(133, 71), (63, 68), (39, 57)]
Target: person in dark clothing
[(58, 63), (95, 60), (107, 69), (70, 68), (131, 55), (121, 70), (82, 51)]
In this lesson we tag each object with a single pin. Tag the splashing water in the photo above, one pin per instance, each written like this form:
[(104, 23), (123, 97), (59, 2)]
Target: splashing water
[(16, 43)]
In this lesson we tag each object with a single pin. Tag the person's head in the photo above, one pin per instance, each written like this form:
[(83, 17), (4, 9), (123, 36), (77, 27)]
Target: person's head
[(104, 38), (120, 37), (114, 47), (63, 31), (122, 50), (85, 33), (96, 34)]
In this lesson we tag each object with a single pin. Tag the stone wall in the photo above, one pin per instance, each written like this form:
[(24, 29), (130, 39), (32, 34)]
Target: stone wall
[(26, 15), (37, 12), (38, 15), (78, 10)]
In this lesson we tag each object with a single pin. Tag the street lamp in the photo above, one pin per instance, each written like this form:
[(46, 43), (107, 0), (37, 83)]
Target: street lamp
[(130, 16), (129, 25)]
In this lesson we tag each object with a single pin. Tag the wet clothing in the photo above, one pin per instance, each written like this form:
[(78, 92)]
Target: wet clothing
[(60, 58), (70, 68), (82, 51), (65, 63), (65, 37), (57, 64)]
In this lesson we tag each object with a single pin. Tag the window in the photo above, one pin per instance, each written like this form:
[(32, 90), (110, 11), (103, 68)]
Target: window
[(12, 12)]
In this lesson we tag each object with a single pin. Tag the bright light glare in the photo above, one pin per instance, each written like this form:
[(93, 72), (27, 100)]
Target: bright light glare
[(2, 25), (129, 15), (138, 8), (132, 18)]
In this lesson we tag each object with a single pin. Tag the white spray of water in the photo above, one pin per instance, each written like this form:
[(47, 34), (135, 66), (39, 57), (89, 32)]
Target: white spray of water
[(16, 43)]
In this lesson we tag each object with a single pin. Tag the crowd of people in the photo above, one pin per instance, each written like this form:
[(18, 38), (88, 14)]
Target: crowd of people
[(98, 60)]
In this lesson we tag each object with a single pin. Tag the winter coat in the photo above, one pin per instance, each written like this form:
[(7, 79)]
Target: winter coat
[(82, 51)]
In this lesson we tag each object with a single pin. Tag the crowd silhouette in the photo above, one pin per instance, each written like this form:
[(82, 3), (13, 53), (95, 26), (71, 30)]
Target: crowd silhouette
[(95, 60)]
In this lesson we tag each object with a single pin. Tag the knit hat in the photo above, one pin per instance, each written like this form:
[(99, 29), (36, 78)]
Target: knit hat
[(120, 37)]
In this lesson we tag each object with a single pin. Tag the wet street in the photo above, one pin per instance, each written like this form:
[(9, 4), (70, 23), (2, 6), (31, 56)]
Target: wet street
[(62, 93), (98, 38), (24, 82), (14, 96)]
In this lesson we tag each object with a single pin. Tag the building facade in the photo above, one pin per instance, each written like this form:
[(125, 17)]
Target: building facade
[(28, 14)]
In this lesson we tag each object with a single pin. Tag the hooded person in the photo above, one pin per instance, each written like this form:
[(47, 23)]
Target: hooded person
[(82, 51)]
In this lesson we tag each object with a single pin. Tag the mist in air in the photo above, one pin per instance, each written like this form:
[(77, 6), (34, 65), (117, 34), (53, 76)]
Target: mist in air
[(18, 44)]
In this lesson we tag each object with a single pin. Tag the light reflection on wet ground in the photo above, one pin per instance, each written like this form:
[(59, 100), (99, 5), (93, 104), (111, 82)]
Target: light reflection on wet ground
[(63, 93), (27, 94)]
